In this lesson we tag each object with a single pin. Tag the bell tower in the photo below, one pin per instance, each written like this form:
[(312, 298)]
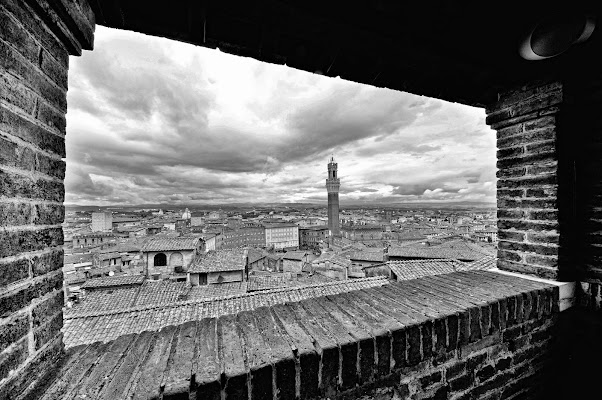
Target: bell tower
[(333, 184)]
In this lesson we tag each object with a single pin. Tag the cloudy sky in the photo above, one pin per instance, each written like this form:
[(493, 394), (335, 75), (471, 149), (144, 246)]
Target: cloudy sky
[(152, 120)]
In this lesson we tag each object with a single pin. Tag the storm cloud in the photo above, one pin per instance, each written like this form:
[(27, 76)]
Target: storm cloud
[(152, 120)]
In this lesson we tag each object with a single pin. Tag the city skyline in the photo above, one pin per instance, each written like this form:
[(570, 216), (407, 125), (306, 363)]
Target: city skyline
[(177, 124)]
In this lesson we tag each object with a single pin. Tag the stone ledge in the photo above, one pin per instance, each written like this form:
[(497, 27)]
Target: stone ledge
[(412, 335)]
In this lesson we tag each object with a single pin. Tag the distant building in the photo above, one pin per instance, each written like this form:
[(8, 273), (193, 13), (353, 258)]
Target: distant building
[(313, 238), (221, 266), (186, 214), (196, 221), (294, 261), (165, 256), (362, 232), (102, 221), (209, 240), (282, 236), (331, 265), (92, 239), (333, 184), (249, 235), (216, 215)]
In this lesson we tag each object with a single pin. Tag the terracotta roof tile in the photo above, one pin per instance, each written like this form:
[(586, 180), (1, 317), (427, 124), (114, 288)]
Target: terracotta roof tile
[(110, 281), (170, 244), (220, 260), (455, 249), (108, 325)]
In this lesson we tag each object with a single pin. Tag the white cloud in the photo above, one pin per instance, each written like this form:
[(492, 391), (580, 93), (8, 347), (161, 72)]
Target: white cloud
[(155, 120)]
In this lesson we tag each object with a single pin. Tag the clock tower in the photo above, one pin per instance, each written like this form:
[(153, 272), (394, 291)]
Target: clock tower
[(333, 184)]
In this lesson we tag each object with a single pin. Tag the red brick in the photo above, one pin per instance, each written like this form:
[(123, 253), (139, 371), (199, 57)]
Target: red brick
[(13, 329), (31, 77), (16, 94), (13, 358), (46, 309), (527, 183), (16, 185), (13, 271), (47, 262), (26, 130), (528, 248), (52, 117), (37, 29), (15, 242), (50, 330), (15, 301), (521, 138)]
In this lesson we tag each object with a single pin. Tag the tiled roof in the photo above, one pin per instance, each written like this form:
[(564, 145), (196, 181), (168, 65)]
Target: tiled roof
[(99, 301), (211, 291), (412, 269), (255, 255), (264, 282), (377, 256), (157, 363), (485, 263), (220, 260), (455, 249), (294, 255), (105, 326), (110, 281), (154, 293), (170, 243)]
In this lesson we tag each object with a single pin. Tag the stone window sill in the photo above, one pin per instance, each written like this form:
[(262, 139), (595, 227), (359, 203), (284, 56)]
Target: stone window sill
[(465, 332)]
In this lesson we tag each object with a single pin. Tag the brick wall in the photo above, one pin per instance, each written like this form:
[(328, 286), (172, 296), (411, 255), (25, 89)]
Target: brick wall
[(528, 178), (466, 335), (34, 61)]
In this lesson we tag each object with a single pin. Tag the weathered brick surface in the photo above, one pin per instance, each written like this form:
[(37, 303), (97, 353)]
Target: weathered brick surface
[(46, 309), (528, 204), (35, 43), (27, 213), (13, 357), (15, 242), (48, 331), (23, 296), (341, 346), (13, 329), (37, 188)]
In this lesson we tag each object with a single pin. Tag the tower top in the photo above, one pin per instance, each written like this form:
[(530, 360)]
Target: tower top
[(331, 159)]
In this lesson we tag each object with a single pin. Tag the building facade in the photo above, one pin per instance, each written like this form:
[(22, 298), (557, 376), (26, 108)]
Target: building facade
[(313, 238), (333, 185), (165, 257), (249, 235), (362, 232), (282, 236), (92, 239), (221, 266), (102, 222)]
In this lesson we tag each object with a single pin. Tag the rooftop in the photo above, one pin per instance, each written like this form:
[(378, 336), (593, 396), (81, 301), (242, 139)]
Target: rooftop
[(413, 269), (375, 256), (220, 260), (170, 244), (453, 249), (122, 316), (294, 255), (123, 280)]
